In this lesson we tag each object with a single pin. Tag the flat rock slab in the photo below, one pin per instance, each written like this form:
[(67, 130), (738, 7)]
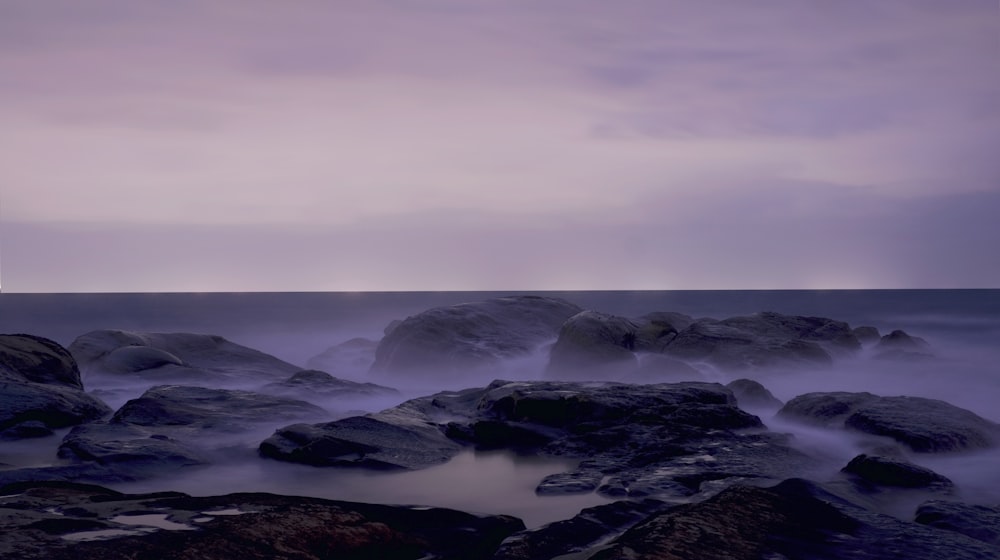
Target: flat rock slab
[(73, 521)]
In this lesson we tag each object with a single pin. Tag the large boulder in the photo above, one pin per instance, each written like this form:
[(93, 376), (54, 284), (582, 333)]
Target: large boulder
[(61, 521), (751, 394), (40, 388), (188, 357), (876, 471), (454, 339), (763, 340), (309, 384), (593, 344), (924, 425)]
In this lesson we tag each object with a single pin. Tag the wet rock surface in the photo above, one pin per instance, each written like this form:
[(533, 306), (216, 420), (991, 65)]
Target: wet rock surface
[(885, 471), (311, 383), (794, 519), (976, 521), (449, 340), (72, 521), (924, 425), (41, 389)]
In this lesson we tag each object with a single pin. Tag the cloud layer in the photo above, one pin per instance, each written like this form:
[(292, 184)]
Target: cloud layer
[(517, 145)]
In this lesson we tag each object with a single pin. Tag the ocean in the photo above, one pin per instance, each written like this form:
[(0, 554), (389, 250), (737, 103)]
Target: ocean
[(962, 327)]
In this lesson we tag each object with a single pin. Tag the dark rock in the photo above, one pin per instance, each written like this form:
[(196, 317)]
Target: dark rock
[(795, 519), (599, 345), (593, 344), (56, 521), (385, 441), (450, 340), (752, 394), (639, 440), (899, 339), (197, 409), (197, 357), (590, 526), (314, 383), (763, 340), (40, 388), (867, 335), (924, 425), (976, 521), (884, 471), (127, 452)]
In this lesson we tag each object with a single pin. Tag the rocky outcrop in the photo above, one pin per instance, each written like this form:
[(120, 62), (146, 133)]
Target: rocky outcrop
[(40, 388), (924, 425), (866, 335), (73, 521), (445, 341), (637, 440), (795, 519), (173, 357), (898, 345)]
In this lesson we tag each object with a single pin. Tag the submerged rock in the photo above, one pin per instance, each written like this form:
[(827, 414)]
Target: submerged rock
[(40, 389), (450, 340), (924, 425), (312, 383), (72, 521)]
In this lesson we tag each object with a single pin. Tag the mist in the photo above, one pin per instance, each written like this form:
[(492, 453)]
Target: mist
[(301, 328)]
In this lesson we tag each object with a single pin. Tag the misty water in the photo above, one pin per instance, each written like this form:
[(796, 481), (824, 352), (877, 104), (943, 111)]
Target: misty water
[(962, 326)]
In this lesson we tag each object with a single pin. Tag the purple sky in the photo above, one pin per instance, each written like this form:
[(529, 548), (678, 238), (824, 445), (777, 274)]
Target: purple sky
[(243, 145)]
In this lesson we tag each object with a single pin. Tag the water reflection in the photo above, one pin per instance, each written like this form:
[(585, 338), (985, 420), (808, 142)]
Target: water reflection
[(494, 482)]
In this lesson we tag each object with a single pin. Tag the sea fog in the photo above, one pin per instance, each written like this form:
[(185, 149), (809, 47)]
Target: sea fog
[(961, 326)]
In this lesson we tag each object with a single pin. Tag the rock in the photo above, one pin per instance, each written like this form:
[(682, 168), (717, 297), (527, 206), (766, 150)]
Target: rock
[(199, 358), (752, 394), (737, 346), (446, 341), (599, 345), (311, 383), (660, 368), (884, 471), (354, 355), (381, 441), (62, 521), (674, 440), (867, 335), (127, 452), (173, 426), (900, 346), (199, 410), (795, 519), (590, 526), (593, 344), (40, 389), (924, 425), (976, 521)]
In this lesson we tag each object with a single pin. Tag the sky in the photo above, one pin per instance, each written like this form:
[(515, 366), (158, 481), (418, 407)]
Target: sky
[(374, 145)]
